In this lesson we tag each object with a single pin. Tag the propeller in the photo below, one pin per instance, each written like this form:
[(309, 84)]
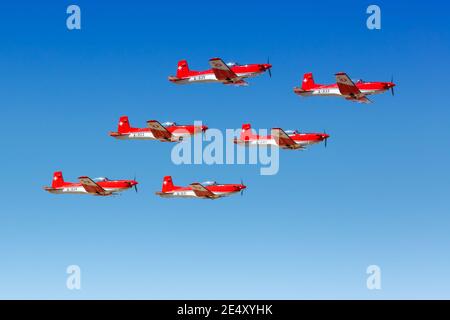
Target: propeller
[(392, 88), (242, 190), (270, 71), (135, 186), (326, 139)]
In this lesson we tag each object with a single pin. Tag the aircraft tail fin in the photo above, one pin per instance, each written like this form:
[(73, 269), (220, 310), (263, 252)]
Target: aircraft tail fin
[(183, 69), (308, 82), (124, 125), (58, 180), (246, 131), (167, 184)]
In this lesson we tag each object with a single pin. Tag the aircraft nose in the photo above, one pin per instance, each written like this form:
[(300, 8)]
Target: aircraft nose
[(266, 66), (325, 136), (241, 187), (201, 128), (390, 85)]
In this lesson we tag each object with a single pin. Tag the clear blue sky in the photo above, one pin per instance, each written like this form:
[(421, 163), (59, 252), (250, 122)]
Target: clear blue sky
[(377, 195)]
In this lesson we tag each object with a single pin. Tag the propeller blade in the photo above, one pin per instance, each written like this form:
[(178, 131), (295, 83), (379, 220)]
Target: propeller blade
[(270, 71), (135, 186), (392, 88)]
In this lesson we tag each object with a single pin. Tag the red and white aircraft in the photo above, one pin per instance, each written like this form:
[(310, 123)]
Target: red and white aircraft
[(226, 73), (206, 190), (290, 139), (166, 132), (344, 87), (96, 187)]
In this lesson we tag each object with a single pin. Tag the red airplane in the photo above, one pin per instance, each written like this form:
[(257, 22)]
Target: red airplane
[(290, 139), (166, 132), (226, 73), (96, 187), (344, 87), (207, 190)]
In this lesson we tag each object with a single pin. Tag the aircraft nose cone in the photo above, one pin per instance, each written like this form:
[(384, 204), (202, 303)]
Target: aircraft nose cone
[(325, 136), (265, 66), (241, 187)]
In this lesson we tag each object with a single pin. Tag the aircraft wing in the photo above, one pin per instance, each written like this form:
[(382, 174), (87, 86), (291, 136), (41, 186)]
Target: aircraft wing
[(283, 140), (201, 191), (159, 131), (349, 89), (92, 187), (237, 83), (223, 72), (362, 99)]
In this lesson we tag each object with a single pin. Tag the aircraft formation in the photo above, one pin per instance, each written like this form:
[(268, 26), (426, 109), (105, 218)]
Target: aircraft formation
[(229, 74)]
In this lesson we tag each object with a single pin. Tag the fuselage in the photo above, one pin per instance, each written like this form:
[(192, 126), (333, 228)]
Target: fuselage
[(178, 131), (366, 88), (242, 71), (220, 190), (302, 139), (111, 186)]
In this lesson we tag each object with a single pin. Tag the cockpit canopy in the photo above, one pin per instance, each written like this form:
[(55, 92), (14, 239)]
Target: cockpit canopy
[(168, 124), (291, 131), (100, 179), (233, 64), (209, 183)]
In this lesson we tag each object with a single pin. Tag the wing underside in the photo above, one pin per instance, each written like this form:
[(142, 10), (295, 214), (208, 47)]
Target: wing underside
[(158, 131), (93, 188), (348, 88), (201, 192), (224, 73), (283, 140)]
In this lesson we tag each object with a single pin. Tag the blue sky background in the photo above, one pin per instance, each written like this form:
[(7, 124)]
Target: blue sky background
[(377, 195)]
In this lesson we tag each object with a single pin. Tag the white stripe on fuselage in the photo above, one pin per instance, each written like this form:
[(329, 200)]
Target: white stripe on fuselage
[(267, 142), (143, 135), (81, 190), (147, 135), (191, 194), (334, 92), (211, 77)]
